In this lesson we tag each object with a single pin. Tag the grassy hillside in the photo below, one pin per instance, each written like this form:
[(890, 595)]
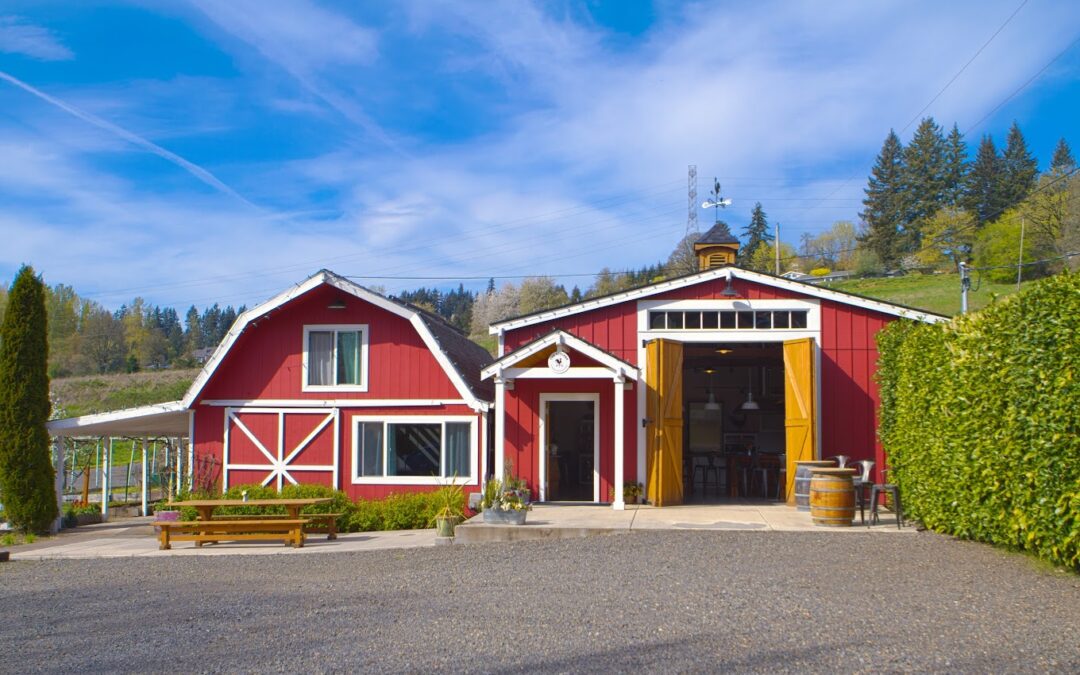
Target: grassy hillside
[(932, 292), (102, 393)]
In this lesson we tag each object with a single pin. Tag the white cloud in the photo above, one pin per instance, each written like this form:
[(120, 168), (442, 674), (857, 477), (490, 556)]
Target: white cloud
[(19, 37)]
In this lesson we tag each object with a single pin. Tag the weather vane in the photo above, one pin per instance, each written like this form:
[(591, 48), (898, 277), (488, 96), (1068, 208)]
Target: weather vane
[(717, 202)]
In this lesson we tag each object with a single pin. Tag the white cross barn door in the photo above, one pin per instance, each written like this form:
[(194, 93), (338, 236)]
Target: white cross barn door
[(275, 443)]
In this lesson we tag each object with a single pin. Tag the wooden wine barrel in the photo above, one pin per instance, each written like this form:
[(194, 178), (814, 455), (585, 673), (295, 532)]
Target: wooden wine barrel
[(802, 482), (832, 497)]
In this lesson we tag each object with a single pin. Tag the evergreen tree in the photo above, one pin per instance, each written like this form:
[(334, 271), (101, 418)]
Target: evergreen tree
[(192, 331), (1020, 168), (984, 197), (1063, 161), (885, 203), (955, 168), (924, 179), (26, 472), (575, 295), (756, 234)]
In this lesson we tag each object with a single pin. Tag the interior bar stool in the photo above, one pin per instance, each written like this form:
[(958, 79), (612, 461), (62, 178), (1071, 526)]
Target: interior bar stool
[(705, 467)]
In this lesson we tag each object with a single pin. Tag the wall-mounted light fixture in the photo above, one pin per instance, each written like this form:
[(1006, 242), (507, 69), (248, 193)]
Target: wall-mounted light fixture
[(336, 304)]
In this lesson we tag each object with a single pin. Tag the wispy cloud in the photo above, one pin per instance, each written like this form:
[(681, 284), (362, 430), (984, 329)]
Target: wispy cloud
[(192, 168), (17, 36)]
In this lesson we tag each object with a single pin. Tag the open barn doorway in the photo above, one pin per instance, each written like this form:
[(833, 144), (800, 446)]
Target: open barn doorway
[(735, 412), (570, 457)]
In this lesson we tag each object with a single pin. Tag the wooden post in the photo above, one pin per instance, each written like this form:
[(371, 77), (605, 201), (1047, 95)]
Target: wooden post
[(127, 473)]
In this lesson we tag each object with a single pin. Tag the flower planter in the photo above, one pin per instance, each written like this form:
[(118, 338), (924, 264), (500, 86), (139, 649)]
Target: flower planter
[(508, 517), (165, 515), (87, 519), (444, 527)]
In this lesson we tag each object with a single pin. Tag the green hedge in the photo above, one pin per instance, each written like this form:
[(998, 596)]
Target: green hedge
[(979, 419), (412, 511)]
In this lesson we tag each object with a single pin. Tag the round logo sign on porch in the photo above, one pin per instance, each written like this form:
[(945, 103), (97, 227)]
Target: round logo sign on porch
[(559, 362)]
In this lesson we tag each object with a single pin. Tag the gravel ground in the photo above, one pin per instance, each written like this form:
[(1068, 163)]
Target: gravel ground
[(647, 601)]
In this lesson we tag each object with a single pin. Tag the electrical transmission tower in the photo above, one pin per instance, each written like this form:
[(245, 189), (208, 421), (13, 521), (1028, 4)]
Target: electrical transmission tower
[(691, 199)]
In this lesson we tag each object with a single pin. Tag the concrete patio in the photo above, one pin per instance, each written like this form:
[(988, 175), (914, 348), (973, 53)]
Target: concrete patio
[(568, 521), (134, 537)]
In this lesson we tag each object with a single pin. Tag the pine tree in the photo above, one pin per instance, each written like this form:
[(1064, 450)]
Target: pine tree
[(885, 202), (984, 197), (27, 489), (1020, 168), (955, 168), (755, 234), (1063, 161), (924, 179)]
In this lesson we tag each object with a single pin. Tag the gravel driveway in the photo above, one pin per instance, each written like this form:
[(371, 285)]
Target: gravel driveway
[(647, 601)]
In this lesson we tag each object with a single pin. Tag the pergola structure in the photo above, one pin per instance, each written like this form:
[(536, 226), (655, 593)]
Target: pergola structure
[(167, 420)]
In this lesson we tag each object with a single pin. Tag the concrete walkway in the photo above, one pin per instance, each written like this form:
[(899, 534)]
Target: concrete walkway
[(134, 537)]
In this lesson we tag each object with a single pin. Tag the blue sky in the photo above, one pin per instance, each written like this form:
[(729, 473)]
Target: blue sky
[(193, 152)]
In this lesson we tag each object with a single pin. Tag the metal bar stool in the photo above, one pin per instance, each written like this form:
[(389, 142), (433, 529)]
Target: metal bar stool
[(881, 489)]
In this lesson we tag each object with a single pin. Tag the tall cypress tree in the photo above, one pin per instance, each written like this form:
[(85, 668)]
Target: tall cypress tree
[(985, 194), (885, 203), (955, 167), (924, 179), (26, 472), (1063, 161), (756, 234), (1021, 168)]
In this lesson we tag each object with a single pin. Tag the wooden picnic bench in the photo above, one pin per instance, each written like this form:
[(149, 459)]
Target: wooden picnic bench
[(289, 530), (319, 522)]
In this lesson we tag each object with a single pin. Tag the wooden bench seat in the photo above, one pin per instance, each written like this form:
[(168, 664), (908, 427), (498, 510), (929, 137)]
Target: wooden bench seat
[(291, 531), (320, 522)]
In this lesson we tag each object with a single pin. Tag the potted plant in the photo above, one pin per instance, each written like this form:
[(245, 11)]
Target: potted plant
[(632, 492), (450, 500), (502, 505), (163, 512)]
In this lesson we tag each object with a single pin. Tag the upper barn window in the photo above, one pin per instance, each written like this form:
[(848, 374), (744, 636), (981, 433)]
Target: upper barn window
[(335, 358), (728, 319)]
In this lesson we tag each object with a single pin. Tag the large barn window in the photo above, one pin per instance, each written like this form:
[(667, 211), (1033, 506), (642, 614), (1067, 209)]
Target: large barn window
[(728, 320), (335, 358), (412, 450)]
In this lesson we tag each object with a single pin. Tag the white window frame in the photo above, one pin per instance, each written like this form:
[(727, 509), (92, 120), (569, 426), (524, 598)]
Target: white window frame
[(337, 328), (357, 479)]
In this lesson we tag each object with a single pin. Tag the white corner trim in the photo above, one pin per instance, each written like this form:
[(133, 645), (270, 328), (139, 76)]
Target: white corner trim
[(710, 275)]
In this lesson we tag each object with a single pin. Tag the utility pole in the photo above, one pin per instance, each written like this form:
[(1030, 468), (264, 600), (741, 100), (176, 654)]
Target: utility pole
[(776, 245), (1020, 257), (965, 284)]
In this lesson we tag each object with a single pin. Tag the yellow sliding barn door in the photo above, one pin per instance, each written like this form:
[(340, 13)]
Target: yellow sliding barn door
[(799, 413), (664, 412)]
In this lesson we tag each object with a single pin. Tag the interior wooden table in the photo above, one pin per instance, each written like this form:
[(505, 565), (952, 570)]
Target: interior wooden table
[(206, 507)]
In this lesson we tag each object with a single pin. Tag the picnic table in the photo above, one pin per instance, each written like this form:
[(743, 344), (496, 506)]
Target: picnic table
[(206, 507), (206, 528)]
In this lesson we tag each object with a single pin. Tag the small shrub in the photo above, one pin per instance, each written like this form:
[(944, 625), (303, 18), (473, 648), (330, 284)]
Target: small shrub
[(7, 540), (819, 271)]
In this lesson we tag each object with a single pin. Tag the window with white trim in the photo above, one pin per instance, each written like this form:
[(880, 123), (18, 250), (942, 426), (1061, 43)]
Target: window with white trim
[(412, 450), (728, 319), (335, 358)]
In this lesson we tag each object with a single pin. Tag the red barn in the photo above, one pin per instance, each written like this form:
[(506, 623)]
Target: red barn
[(716, 383), (332, 383)]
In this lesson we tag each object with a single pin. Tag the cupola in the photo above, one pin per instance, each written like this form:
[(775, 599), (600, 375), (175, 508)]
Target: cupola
[(716, 248)]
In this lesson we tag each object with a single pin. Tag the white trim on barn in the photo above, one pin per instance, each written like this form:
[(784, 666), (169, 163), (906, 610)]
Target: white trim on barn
[(335, 402), (613, 366), (280, 463), (474, 441), (711, 275), (342, 284)]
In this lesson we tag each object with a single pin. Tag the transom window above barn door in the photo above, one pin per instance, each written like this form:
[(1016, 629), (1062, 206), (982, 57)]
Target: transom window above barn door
[(413, 451), (335, 358), (769, 319)]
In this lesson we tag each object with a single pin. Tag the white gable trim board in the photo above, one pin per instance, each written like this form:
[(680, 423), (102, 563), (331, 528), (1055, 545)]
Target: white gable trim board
[(711, 275), (613, 366), (253, 315)]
